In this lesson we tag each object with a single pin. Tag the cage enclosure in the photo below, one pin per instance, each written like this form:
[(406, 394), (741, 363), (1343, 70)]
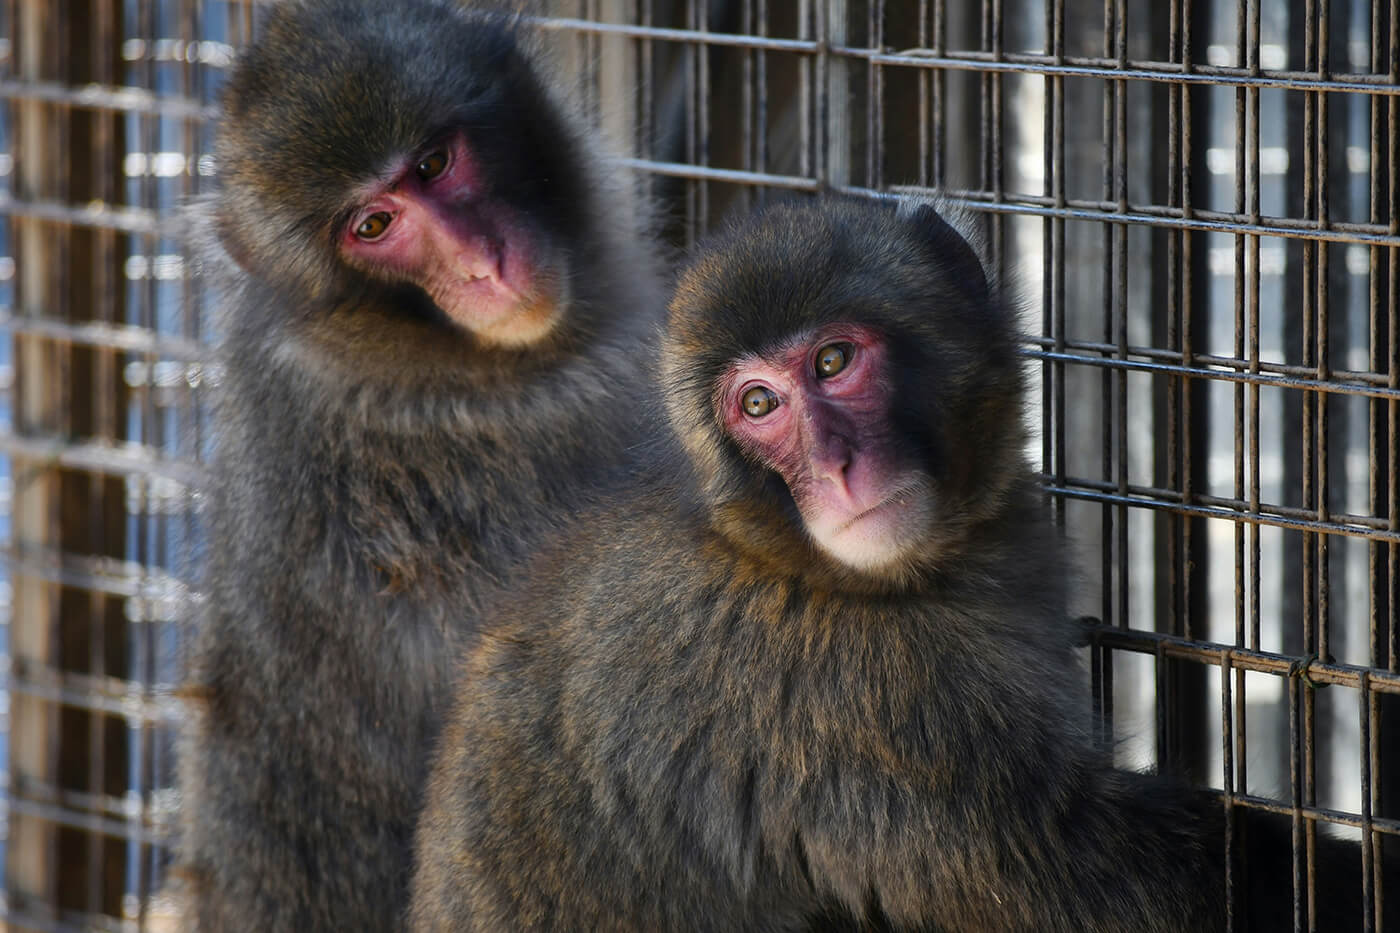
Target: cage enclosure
[(1198, 202)]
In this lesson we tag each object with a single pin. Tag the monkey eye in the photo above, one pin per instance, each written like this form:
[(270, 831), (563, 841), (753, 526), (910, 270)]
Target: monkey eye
[(432, 165), (759, 401), (373, 226), (831, 359)]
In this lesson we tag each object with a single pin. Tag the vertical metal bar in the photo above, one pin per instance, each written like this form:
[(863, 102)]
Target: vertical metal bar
[(1057, 258), (1110, 422), (644, 139), (1050, 427), (1297, 736), (833, 88), (690, 55), (874, 95), (939, 167), (593, 64), (1247, 276), (992, 143), (807, 106), (1310, 399), (697, 122), (1119, 291), (761, 153), (1381, 437), (1228, 785), (1390, 779), (1252, 343), (1323, 370), (1106, 303), (701, 103), (1319, 636), (925, 96), (147, 132), (1366, 707), (747, 100), (1176, 128), (1252, 636), (1295, 798)]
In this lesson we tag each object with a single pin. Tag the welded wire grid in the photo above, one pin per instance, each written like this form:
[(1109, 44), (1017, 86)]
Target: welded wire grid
[(1198, 200), (103, 132)]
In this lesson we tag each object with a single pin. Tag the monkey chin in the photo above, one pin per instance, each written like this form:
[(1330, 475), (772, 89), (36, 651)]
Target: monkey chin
[(879, 538), (531, 321), (506, 319)]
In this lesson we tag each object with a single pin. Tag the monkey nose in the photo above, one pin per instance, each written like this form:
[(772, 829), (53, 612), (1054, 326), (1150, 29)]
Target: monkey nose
[(830, 457)]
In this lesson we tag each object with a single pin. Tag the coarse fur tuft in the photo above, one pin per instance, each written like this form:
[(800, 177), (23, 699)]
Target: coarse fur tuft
[(378, 472)]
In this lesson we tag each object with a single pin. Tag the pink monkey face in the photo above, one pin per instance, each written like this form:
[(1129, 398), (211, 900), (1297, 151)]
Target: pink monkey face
[(434, 223), (817, 412)]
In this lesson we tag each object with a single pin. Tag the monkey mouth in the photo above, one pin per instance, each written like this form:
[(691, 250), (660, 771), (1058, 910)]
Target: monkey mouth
[(491, 267), (498, 283), (898, 499), (490, 282), (510, 305), (880, 536), (485, 285)]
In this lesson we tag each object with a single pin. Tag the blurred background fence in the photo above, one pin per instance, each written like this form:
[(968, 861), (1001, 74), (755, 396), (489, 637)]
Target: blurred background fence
[(1199, 201)]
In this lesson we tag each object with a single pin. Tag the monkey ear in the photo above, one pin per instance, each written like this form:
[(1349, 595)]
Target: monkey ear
[(951, 250), (233, 245)]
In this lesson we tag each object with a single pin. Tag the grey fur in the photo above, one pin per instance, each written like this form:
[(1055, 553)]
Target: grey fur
[(377, 472)]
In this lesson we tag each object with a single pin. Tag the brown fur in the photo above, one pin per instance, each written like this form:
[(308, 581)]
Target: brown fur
[(690, 719)]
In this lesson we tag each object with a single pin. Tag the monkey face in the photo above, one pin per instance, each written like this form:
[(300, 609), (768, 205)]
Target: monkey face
[(847, 387), (432, 223), (816, 411), (412, 179)]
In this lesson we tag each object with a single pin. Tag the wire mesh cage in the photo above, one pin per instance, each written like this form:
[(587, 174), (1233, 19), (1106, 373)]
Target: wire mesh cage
[(1199, 201), (104, 125)]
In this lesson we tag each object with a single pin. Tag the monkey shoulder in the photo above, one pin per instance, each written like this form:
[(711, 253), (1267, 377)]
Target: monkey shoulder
[(644, 583), (632, 630)]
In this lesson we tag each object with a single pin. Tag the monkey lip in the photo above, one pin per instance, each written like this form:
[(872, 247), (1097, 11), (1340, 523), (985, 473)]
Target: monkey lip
[(880, 535), (893, 502), (501, 296), (490, 282), (489, 266)]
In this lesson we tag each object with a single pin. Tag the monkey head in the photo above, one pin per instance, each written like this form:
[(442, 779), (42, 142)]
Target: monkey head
[(815, 410), (408, 154), (849, 388)]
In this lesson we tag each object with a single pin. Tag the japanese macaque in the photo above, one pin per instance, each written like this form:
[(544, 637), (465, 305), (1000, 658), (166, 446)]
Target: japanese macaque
[(438, 309), (816, 672), (823, 666)]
